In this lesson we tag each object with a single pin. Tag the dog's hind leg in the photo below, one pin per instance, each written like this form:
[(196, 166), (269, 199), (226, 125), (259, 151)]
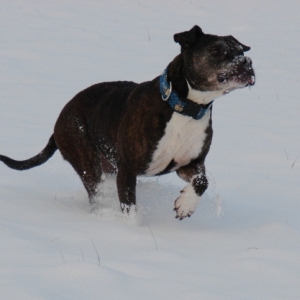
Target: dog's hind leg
[(87, 165), (76, 147)]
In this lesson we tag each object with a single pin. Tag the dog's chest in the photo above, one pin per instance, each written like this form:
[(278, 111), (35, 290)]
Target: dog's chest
[(182, 142)]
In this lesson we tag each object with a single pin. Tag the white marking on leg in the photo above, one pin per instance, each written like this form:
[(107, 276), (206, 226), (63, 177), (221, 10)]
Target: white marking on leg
[(186, 203)]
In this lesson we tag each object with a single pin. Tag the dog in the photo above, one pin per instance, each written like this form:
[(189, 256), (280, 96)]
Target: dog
[(152, 128)]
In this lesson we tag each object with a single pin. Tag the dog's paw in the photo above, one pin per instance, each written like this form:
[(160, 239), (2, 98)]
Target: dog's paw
[(129, 209), (130, 214), (186, 203)]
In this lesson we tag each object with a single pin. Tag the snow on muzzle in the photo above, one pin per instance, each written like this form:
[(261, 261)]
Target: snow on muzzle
[(240, 70)]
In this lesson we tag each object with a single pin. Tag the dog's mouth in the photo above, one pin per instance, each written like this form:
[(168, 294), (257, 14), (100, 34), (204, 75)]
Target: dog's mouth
[(240, 78)]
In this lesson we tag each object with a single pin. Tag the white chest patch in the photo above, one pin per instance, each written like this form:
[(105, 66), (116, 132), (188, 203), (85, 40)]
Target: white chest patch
[(183, 141)]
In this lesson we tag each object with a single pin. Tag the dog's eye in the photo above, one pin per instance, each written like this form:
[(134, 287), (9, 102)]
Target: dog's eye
[(218, 52)]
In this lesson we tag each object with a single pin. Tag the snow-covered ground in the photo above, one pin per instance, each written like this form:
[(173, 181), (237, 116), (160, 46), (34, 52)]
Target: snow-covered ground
[(243, 241)]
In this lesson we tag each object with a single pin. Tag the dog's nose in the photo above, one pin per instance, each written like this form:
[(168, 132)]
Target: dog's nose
[(246, 61)]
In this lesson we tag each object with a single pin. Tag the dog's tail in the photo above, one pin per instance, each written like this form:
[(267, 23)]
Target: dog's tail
[(35, 161)]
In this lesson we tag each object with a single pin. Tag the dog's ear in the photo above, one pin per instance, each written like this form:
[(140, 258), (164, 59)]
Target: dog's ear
[(245, 48), (188, 38)]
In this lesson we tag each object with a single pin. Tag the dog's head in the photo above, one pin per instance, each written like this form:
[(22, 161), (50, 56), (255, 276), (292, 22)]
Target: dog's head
[(214, 63)]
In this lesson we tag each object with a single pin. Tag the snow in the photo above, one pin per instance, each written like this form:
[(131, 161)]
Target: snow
[(242, 242)]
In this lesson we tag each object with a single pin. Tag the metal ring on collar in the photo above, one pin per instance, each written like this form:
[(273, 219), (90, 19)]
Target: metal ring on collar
[(168, 93)]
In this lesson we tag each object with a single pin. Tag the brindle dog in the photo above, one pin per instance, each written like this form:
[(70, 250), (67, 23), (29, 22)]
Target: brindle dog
[(151, 128)]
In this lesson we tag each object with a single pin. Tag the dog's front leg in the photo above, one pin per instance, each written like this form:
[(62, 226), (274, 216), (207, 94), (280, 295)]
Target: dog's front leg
[(186, 203), (126, 184)]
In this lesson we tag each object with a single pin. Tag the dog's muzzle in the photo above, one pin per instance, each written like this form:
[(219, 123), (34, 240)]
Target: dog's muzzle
[(240, 70)]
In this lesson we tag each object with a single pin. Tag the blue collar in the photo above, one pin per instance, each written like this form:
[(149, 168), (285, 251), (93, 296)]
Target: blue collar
[(185, 107)]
